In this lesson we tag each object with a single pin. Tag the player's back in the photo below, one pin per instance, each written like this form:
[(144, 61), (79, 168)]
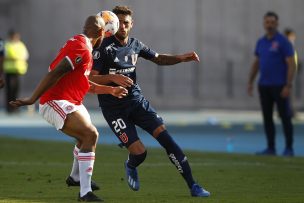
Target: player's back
[(73, 85)]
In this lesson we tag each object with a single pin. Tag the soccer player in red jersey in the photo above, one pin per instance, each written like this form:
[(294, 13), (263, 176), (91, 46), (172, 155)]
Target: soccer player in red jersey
[(61, 94)]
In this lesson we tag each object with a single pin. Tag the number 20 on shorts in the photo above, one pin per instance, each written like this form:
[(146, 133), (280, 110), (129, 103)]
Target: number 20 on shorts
[(118, 125)]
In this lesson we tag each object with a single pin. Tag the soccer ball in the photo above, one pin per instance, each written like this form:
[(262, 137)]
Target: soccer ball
[(111, 21)]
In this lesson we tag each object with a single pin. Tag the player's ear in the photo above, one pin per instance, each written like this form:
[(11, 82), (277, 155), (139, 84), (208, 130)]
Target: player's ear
[(132, 23)]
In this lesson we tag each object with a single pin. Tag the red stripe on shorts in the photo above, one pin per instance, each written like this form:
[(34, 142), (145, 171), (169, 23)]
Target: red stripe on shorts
[(57, 108)]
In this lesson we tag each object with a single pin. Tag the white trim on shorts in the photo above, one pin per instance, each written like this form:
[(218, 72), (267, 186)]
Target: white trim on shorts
[(56, 111)]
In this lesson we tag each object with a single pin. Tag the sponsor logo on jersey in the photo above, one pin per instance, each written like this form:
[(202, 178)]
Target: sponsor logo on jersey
[(116, 60), (78, 59), (96, 55), (134, 58), (274, 46), (110, 46), (121, 71)]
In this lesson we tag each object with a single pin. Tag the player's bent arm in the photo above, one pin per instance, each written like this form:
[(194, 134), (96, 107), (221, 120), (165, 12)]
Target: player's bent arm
[(47, 82), (168, 59), (118, 79), (103, 89), (99, 79)]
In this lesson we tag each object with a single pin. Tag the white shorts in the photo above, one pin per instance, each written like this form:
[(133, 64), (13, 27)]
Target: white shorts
[(55, 112)]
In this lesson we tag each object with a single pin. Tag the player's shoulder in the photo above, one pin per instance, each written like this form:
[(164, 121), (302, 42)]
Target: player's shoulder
[(282, 37), (261, 39), (107, 43), (134, 42)]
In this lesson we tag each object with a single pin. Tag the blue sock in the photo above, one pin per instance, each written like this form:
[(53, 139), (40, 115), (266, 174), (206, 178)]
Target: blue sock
[(136, 160), (176, 156)]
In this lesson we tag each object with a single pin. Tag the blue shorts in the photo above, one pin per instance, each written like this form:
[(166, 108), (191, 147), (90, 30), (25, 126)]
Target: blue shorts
[(122, 120)]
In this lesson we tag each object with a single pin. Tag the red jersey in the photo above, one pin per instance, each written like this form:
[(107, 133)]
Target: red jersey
[(74, 85)]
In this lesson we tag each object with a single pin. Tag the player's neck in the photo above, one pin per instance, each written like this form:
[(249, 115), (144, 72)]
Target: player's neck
[(270, 35), (124, 41)]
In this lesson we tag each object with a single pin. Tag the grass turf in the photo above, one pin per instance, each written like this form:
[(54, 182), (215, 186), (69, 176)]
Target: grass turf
[(35, 171)]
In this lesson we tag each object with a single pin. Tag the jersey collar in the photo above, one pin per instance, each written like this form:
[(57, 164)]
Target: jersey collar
[(118, 43)]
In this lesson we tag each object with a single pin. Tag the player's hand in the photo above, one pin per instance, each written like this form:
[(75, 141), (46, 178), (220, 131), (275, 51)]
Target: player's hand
[(21, 102), (119, 92), (191, 56), (122, 80), (250, 90), (285, 92), (2, 83)]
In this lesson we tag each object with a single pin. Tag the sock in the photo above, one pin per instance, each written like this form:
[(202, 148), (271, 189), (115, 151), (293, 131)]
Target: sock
[(75, 168), (176, 156), (136, 160), (86, 163)]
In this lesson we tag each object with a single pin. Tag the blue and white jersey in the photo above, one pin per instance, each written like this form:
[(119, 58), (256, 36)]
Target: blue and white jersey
[(113, 58)]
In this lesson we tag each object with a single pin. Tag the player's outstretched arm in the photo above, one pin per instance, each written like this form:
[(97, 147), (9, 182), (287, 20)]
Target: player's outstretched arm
[(118, 79), (119, 91), (167, 59), (48, 81)]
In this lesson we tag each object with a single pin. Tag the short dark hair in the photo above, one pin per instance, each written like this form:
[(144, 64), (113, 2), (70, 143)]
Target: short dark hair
[(271, 14), (124, 10), (288, 31), (12, 32)]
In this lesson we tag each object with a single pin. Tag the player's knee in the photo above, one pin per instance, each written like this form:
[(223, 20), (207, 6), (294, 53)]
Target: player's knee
[(136, 160), (137, 148), (91, 135), (158, 131)]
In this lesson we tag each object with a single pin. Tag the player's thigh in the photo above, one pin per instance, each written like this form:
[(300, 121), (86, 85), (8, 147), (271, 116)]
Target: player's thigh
[(79, 126), (145, 116), (122, 126)]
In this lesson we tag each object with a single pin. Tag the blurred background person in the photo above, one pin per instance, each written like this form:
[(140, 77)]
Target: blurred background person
[(274, 60), (1, 63), (291, 36), (14, 65)]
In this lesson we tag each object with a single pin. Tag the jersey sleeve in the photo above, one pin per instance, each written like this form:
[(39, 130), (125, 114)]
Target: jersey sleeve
[(287, 48), (256, 50), (146, 52), (76, 55), (99, 58), (1, 48)]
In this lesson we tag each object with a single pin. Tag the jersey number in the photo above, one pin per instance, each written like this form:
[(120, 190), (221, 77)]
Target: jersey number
[(118, 125)]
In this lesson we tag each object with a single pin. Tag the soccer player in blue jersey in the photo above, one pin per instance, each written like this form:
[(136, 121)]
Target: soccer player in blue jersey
[(115, 64)]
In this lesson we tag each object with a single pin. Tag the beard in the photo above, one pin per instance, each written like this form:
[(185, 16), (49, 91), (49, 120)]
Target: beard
[(121, 36)]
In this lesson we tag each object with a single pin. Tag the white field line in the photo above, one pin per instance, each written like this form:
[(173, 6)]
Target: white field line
[(160, 164)]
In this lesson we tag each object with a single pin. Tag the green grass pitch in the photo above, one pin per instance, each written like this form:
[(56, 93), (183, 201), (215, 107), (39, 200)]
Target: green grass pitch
[(35, 171)]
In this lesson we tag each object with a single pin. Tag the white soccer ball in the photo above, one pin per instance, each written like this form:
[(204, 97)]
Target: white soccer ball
[(111, 21)]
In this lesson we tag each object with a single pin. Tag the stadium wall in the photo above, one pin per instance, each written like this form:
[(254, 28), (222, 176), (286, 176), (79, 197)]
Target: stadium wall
[(222, 32)]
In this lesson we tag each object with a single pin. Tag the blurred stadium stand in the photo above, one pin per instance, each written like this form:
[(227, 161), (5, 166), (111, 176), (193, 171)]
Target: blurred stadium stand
[(222, 32)]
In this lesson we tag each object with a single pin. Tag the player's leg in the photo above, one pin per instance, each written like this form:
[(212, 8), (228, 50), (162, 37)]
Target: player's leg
[(77, 126), (74, 121), (146, 118), (11, 90), (267, 105), (285, 112), (73, 179), (126, 132)]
